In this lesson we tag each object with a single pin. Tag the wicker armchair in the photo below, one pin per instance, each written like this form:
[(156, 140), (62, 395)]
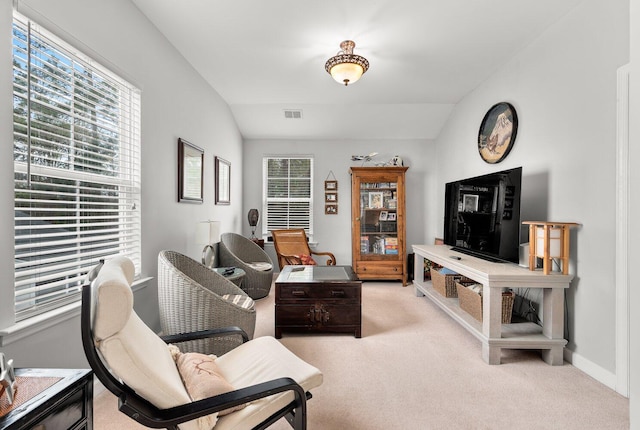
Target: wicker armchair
[(191, 299), (238, 251)]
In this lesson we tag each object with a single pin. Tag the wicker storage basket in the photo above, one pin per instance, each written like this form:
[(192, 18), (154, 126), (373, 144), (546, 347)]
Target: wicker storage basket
[(471, 302), (445, 284)]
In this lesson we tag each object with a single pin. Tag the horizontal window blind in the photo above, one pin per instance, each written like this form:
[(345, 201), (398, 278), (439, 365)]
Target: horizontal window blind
[(76, 168), (288, 193)]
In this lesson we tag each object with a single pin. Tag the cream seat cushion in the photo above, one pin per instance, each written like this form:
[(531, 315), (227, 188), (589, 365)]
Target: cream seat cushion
[(260, 266), (260, 360)]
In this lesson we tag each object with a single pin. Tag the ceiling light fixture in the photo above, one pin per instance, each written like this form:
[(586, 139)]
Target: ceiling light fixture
[(346, 67)]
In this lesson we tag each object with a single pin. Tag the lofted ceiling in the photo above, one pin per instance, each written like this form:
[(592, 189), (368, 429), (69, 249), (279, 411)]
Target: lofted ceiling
[(267, 56)]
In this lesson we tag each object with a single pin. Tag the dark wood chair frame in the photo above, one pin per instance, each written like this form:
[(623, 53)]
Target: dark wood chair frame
[(145, 413)]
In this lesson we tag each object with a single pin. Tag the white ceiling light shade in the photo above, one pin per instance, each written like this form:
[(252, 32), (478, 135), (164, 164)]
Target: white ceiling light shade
[(346, 67)]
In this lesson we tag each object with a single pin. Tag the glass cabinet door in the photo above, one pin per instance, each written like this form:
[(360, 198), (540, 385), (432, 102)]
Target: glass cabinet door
[(378, 219)]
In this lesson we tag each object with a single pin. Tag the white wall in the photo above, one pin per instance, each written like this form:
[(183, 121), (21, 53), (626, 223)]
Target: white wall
[(333, 232), (563, 87), (176, 102), (634, 257)]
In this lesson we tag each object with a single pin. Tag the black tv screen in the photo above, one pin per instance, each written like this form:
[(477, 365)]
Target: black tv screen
[(482, 215)]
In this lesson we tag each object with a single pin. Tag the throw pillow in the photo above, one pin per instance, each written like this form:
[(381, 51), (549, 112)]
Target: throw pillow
[(306, 260), (202, 378)]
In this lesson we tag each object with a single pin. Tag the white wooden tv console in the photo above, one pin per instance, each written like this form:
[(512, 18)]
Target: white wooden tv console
[(494, 335)]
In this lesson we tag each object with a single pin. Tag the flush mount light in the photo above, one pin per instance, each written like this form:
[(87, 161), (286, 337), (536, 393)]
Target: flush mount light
[(346, 67)]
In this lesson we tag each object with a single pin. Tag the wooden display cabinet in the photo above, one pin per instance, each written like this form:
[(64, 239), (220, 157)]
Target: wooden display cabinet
[(378, 223)]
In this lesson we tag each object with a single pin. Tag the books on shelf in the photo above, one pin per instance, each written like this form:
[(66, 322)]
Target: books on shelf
[(391, 246), (364, 244)]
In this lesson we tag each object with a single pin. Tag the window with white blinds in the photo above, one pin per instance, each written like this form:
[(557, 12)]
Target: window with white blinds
[(288, 193), (76, 151)]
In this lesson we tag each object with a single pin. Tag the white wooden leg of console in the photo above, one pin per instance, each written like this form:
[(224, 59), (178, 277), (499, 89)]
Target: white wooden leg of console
[(491, 323), (418, 273), (553, 324)]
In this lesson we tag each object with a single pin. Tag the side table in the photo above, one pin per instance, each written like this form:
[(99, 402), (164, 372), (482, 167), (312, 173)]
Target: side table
[(50, 399), (236, 277)]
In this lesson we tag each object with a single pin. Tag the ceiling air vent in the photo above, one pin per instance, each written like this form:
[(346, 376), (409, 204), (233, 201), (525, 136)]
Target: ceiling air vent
[(293, 113)]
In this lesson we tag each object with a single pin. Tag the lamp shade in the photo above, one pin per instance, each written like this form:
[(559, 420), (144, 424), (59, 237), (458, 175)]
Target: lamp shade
[(346, 73), (346, 67), (554, 241), (208, 232)]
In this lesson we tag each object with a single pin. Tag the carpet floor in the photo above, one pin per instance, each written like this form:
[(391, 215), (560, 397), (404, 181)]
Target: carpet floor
[(415, 368)]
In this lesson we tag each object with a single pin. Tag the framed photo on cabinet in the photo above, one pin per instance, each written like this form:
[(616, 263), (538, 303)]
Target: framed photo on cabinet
[(376, 200)]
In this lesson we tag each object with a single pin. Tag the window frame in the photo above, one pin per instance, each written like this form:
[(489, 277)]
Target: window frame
[(266, 199), (99, 165)]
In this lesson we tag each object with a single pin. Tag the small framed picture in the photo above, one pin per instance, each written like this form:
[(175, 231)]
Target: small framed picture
[(331, 185), (391, 216), (470, 202), (376, 200), (508, 203), (331, 197), (331, 209), (383, 215)]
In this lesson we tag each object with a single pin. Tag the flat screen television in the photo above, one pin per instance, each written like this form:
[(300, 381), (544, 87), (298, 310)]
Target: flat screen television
[(482, 215)]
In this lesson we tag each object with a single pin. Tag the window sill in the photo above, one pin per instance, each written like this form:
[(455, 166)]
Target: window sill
[(38, 323)]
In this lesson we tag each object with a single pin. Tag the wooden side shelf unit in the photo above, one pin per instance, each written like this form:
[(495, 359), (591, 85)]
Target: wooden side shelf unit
[(494, 335), (378, 223)]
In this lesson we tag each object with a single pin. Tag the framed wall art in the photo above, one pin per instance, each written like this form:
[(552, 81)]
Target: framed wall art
[(331, 195), (223, 181), (497, 132), (190, 172), (331, 186)]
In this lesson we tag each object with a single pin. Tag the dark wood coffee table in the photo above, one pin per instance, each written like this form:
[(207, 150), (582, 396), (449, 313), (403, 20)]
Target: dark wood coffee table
[(324, 299)]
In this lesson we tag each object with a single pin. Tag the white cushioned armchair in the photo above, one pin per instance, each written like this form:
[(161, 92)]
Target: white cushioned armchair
[(193, 297), (137, 366), (238, 251)]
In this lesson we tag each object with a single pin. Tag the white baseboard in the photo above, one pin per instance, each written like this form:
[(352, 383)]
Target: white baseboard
[(590, 368)]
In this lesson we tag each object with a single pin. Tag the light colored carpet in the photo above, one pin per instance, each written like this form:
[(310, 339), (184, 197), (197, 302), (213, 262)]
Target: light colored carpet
[(415, 368)]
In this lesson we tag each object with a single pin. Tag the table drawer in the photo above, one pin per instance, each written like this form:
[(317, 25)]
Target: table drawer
[(378, 267), (338, 292), (318, 315)]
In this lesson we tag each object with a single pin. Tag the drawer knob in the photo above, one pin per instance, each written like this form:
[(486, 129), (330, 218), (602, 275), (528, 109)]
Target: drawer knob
[(337, 293), (298, 293)]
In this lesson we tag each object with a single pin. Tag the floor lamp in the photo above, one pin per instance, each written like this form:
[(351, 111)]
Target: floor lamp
[(208, 234)]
